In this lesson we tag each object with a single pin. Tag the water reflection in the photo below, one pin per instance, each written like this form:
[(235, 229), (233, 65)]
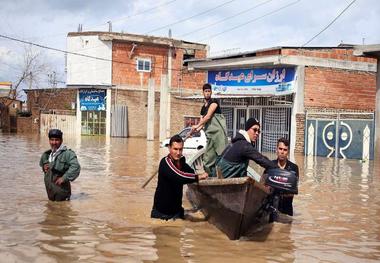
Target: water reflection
[(336, 219), (59, 231)]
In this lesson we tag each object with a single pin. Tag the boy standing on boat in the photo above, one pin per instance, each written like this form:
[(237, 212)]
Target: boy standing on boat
[(285, 204), (173, 173), (214, 124), (60, 166), (235, 158)]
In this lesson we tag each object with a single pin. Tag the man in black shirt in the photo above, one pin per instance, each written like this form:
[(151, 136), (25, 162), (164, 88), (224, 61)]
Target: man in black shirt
[(214, 124), (285, 205), (173, 173)]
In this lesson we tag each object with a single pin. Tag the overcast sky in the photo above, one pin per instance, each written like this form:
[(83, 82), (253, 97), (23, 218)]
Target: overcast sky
[(225, 25)]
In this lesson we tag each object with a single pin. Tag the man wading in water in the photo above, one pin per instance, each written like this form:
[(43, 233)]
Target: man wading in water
[(214, 124), (173, 173), (60, 166)]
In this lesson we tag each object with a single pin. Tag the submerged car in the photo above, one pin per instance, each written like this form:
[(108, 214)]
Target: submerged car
[(197, 141)]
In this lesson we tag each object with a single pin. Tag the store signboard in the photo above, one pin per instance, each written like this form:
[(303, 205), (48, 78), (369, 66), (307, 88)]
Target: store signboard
[(92, 100), (258, 81)]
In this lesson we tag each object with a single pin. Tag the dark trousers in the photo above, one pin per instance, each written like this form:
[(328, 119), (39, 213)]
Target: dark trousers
[(157, 214), (56, 192)]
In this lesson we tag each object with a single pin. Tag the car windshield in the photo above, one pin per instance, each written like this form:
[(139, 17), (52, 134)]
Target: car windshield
[(186, 131)]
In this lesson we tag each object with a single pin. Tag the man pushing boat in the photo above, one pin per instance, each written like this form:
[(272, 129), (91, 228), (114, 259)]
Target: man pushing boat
[(173, 173)]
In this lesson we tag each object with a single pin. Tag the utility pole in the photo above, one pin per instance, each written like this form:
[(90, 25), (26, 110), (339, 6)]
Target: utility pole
[(109, 26), (53, 80)]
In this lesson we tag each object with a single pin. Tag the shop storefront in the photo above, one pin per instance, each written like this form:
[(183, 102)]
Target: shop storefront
[(266, 94), (93, 111)]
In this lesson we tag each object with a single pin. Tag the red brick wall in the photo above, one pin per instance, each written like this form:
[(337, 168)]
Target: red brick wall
[(8, 111), (57, 99), (268, 53), (137, 111), (339, 89), (24, 124), (137, 102), (193, 79), (126, 74), (336, 53), (180, 109), (4, 118)]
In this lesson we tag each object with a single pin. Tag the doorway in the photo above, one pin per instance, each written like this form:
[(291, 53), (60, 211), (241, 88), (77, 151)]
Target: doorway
[(93, 123)]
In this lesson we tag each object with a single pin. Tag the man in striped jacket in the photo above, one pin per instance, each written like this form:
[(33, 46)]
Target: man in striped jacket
[(173, 173)]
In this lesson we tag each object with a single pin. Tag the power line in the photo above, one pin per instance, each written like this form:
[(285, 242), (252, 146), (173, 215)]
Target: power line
[(332, 22), (138, 13), (75, 53), (190, 17), (250, 21), (227, 18), (324, 29), (114, 20)]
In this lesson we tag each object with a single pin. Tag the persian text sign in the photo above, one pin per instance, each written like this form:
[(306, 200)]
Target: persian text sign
[(92, 99), (265, 81)]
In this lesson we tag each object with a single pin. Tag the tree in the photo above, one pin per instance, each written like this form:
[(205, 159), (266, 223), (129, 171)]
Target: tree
[(30, 72), (33, 71)]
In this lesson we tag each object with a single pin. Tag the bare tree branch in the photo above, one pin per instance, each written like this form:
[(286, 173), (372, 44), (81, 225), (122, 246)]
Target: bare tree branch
[(33, 70)]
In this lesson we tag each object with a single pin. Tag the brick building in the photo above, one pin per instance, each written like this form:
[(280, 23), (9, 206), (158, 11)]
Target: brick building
[(49, 108), (9, 110), (10, 107), (119, 68), (321, 98)]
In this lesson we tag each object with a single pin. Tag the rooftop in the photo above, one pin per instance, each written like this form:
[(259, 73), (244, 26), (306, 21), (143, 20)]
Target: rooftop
[(126, 37), (253, 53)]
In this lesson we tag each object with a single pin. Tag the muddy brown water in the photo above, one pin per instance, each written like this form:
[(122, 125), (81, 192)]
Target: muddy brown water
[(337, 213)]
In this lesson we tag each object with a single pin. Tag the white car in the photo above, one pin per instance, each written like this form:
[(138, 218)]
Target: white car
[(197, 141)]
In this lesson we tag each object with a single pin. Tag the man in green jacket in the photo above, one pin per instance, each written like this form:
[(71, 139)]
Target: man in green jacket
[(60, 166)]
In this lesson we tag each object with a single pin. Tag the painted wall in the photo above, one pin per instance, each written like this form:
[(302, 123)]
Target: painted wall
[(89, 71)]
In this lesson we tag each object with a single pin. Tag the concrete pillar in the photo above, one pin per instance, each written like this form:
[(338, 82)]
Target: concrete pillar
[(168, 110), (163, 107), (377, 112), (150, 118), (79, 116), (298, 105), (108, 112)]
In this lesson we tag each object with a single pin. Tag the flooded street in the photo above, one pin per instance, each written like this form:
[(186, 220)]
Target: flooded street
[(337, 213)]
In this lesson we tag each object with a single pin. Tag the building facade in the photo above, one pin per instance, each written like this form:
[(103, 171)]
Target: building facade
[(121, 85), (321, 98)]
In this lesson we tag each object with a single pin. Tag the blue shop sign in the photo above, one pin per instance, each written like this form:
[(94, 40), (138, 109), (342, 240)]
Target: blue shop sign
[(92, 99), (262, 81)]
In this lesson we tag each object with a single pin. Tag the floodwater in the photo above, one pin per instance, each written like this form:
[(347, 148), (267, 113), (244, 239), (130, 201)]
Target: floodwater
[(337, 213)]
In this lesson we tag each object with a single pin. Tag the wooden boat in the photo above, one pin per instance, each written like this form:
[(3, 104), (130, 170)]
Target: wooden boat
[(236, 206)]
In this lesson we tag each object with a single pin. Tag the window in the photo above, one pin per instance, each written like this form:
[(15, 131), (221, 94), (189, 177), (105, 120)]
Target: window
[(143, 65)]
